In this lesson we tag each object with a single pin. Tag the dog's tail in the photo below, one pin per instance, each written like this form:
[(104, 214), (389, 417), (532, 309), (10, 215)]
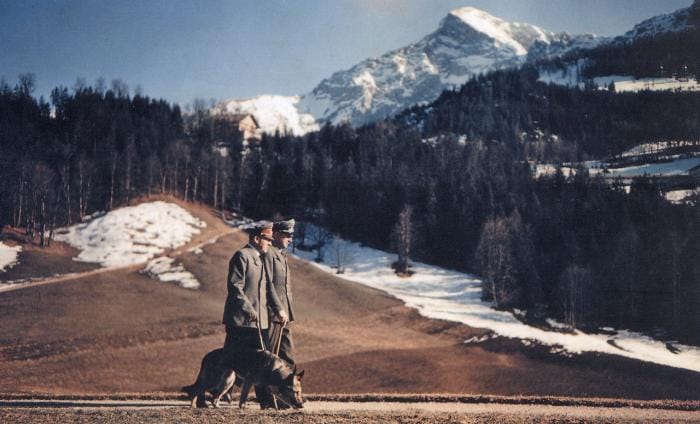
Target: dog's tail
[(190, 390), (194, 388)]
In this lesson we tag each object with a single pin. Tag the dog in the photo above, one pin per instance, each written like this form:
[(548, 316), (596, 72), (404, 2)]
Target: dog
[(221, 369), (213, 377)]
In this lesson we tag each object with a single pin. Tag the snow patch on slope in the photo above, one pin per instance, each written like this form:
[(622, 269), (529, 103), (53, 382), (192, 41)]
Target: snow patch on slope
[(131, 235), (681, 196), (665, 169), (165, 269), (675, 167), (623, 83), (8, 256), (627, 83), (656, 148)]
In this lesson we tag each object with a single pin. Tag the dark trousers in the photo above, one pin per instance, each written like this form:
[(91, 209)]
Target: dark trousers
[(244, 338)]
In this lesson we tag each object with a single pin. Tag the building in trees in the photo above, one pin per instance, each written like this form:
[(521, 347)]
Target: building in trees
[(247, 126)]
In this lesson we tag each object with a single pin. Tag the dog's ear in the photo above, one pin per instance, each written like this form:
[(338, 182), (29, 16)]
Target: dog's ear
[(301, 375)]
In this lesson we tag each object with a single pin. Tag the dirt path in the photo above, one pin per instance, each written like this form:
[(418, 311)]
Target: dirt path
[(323, 412)]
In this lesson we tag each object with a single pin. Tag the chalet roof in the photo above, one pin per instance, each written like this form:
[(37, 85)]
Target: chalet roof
[(255, 121), (238, 117)]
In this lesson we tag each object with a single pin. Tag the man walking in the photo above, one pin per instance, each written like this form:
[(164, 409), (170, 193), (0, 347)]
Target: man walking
[(278, 268), (250, 297), (246, 310)]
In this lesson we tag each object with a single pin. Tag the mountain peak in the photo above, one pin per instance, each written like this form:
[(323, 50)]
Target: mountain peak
[(513, 35), (469, 13), (468, 42)]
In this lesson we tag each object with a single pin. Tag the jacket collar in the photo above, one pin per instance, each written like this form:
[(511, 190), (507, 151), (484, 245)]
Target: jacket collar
[(255, 249)]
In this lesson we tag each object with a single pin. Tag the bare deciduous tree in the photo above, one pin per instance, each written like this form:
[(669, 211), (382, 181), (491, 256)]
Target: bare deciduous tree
[(85, 170), (129, 153), (496, 261), (573, 284), (320, 238), (341, 256), (403, 239)]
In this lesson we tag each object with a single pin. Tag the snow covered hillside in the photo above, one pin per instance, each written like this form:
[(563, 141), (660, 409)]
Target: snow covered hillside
[(8, 256), (570, 78), (454, 296), (663, 169), (131, 235), (674, 167)]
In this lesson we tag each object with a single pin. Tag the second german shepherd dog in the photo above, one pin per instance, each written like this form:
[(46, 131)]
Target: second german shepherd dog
[(221, 368)]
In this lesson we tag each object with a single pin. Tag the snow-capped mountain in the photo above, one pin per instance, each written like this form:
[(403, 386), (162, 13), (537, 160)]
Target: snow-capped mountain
[(468, 41), (273, 113), (680, 20)]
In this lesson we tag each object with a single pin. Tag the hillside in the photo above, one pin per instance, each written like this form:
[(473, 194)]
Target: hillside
[(121, 331)]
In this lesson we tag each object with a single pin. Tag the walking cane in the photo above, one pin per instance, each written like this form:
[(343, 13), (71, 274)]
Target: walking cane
[(276, 340), (263, 346), (276, 336)]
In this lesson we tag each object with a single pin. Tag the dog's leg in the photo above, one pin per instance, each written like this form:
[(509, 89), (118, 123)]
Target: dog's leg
[(245, 389), (228, 396), (238, 381), (226, 392), (225, 383), (199, 390), (198, 397)]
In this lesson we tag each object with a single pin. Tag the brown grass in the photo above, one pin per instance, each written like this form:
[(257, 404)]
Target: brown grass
[(123, 332), (40, 262)]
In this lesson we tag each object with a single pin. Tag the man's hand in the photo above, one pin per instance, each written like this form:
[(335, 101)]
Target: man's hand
[(281, 317), (252, 317)]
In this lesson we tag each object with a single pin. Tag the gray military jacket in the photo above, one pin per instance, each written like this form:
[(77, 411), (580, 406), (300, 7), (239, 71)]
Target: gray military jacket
[(278, 269), (249, 290)]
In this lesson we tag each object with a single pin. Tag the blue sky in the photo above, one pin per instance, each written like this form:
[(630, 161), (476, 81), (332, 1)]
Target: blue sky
[(180, 50)]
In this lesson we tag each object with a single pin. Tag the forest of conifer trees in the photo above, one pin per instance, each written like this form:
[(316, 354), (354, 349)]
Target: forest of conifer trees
[(578, 248)]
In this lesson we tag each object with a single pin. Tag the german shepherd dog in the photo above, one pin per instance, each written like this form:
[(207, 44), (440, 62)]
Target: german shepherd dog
[(221, 369)]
